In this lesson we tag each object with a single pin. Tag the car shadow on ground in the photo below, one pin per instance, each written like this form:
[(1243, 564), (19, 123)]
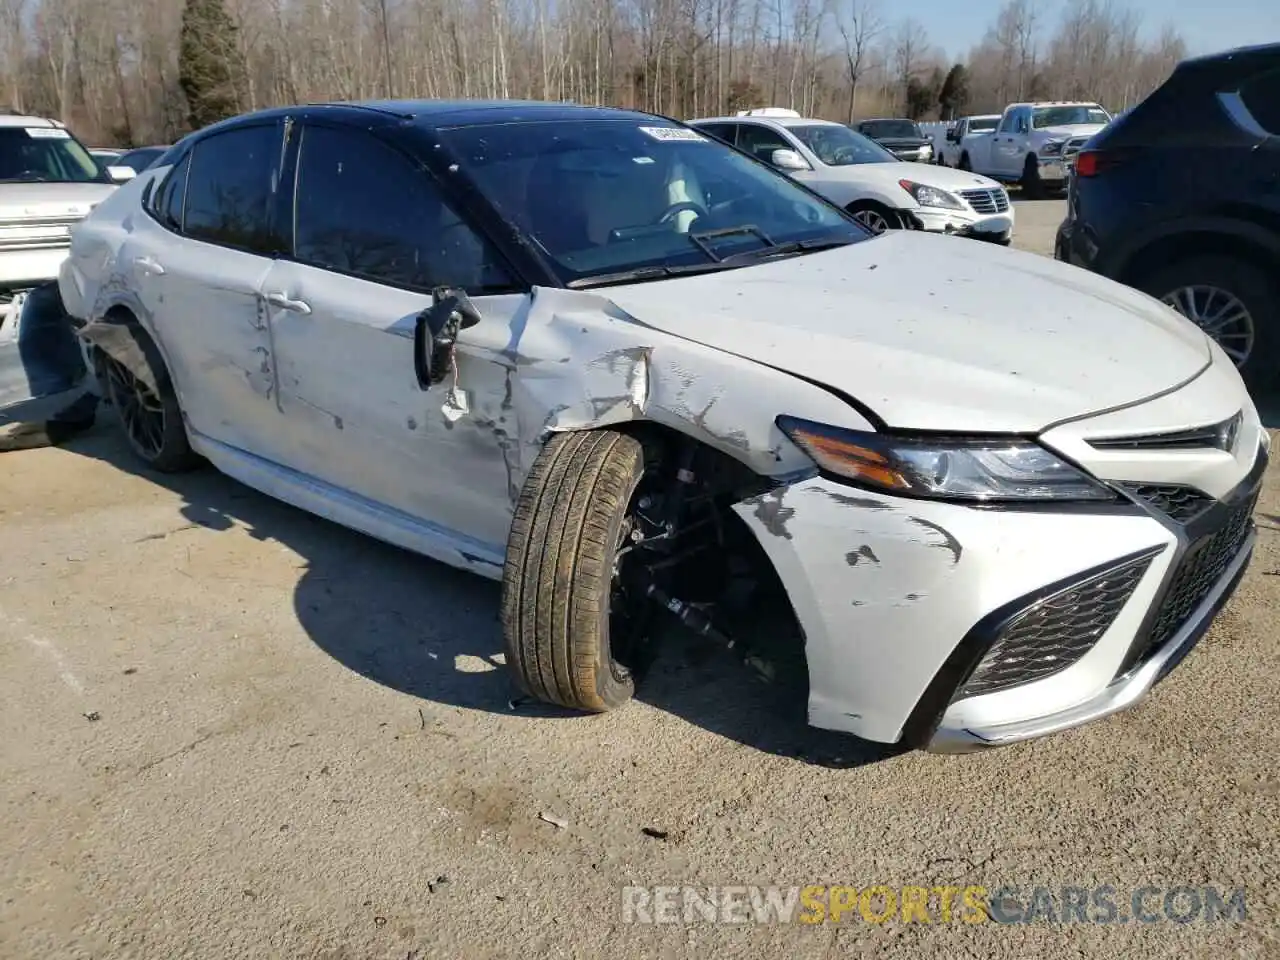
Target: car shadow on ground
[(432, 631)]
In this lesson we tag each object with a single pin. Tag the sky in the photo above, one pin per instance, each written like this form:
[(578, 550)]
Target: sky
[(1206, 25)]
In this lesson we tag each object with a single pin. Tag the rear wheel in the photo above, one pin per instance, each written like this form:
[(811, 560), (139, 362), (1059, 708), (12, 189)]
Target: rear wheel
[(1032, 185), (569, 629), (964, 163), (150, 417), (1231, 300)]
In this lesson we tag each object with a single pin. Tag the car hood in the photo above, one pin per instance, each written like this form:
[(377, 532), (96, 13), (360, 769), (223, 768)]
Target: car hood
[(889, 173), (1070, 130), (40, 201), (900, 142), (934, 333)]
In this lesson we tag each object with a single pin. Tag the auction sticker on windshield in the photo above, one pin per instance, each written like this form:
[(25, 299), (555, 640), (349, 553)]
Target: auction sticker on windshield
[(673, 133), (47, 133)]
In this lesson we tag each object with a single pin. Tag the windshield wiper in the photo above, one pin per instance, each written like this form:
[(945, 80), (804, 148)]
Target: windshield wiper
[(784, 249), (640, 274)]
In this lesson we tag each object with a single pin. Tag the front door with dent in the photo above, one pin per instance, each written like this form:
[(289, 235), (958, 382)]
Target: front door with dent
[(372, 236)]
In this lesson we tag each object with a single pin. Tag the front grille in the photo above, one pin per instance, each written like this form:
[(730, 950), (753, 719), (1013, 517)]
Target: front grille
[(994, 200), (1203, 565), (1052, 633), (1213, 436), (1180, 504)]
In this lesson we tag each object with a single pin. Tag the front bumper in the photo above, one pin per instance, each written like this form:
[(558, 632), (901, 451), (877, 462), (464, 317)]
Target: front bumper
[(1053, 169), (996, 227), (954, 736), (894, 595), (22, 270)]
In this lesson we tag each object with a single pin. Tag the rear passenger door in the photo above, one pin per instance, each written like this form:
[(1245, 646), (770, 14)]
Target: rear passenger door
[(198, 265), (372, 235)]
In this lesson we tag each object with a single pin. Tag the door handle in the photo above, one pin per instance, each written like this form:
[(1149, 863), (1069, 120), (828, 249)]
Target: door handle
[(149, 265), (286, 303)]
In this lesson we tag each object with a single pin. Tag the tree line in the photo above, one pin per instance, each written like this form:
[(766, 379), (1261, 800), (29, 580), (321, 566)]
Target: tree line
[(130, 72)]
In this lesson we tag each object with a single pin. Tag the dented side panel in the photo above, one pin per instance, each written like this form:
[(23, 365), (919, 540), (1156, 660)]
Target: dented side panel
[(885, 588)]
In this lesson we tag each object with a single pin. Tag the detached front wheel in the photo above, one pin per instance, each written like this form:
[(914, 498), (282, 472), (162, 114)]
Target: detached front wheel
[(568, 626)]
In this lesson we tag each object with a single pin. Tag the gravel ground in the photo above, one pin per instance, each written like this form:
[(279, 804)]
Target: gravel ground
[(234, 730)]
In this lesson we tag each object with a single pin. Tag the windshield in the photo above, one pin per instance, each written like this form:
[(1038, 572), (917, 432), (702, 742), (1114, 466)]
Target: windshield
[(45, 154), (1064, 116), (838, 146), (608, 196), (890, 128), (983, 124)]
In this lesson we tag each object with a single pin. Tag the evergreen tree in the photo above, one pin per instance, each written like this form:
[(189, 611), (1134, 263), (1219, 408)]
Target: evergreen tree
[(211, 70), (954, 96)]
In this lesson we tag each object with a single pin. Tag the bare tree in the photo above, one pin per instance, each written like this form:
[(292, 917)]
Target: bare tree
[(859, 24)]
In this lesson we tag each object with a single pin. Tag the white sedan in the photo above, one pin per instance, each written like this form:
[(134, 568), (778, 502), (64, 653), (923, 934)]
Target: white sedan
[(855, 172), (628, 371)]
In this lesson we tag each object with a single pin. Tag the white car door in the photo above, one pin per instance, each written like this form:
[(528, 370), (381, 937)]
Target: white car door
[(372, 237), (1007, 144), (197, 269)]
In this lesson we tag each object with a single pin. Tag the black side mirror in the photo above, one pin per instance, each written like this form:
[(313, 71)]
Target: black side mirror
[(436, 330)]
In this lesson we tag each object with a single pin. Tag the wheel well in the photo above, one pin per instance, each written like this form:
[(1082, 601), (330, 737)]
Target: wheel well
[(868, 203), (1183, 246), (719, 482)]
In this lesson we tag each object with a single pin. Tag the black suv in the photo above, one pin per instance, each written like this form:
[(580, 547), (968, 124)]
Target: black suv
[(902, 138), (1180, 197)]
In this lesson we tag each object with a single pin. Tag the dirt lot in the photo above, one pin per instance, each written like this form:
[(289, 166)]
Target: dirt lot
[(233, 730)]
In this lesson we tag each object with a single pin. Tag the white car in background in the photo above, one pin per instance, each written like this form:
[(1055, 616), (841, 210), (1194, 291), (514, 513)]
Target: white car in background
[(881, 191), (48, 182), (947, 149)]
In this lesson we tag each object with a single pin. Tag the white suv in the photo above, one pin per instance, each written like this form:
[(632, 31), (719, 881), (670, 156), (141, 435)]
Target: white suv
[(881, 191), (48, 181)]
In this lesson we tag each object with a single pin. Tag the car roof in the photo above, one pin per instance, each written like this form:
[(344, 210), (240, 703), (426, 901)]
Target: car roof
[(21, 120), (1056, 103), (771, 121), (433, 113), (886, 119)]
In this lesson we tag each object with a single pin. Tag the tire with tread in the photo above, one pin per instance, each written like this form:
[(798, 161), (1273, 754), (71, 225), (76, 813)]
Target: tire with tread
[(558, 576), (175, 455), (1250, 285), (1032, 185)]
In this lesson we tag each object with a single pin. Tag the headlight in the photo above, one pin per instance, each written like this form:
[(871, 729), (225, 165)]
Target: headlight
[(926, 150), (928, 196), (938, 467), (1051, 148)]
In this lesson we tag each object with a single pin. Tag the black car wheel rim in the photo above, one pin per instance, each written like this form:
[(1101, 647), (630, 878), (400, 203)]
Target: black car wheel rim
[(1220, 314), (141, 411)]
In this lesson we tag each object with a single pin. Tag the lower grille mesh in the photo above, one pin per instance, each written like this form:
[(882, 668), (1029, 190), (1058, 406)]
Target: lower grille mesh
[(1205, 562), (1052, 634)]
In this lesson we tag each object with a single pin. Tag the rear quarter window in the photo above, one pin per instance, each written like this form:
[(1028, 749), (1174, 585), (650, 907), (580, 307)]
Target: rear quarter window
[(1261, 97)]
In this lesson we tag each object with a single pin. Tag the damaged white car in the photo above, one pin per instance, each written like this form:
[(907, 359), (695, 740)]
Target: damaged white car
[(611, 362)]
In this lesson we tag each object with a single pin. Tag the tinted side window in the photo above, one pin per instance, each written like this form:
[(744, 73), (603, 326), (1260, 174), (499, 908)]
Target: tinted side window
[(721, 131), (1006, 123), (168, 200), (1261, 95), (760, 142), (231, 189), (365, 209)]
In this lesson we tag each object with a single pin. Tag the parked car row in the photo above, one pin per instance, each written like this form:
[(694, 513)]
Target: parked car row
[(853, 171)]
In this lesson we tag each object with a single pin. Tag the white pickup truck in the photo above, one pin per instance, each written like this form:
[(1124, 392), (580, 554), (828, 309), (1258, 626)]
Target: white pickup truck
[(1030, 143), (946, 148)]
